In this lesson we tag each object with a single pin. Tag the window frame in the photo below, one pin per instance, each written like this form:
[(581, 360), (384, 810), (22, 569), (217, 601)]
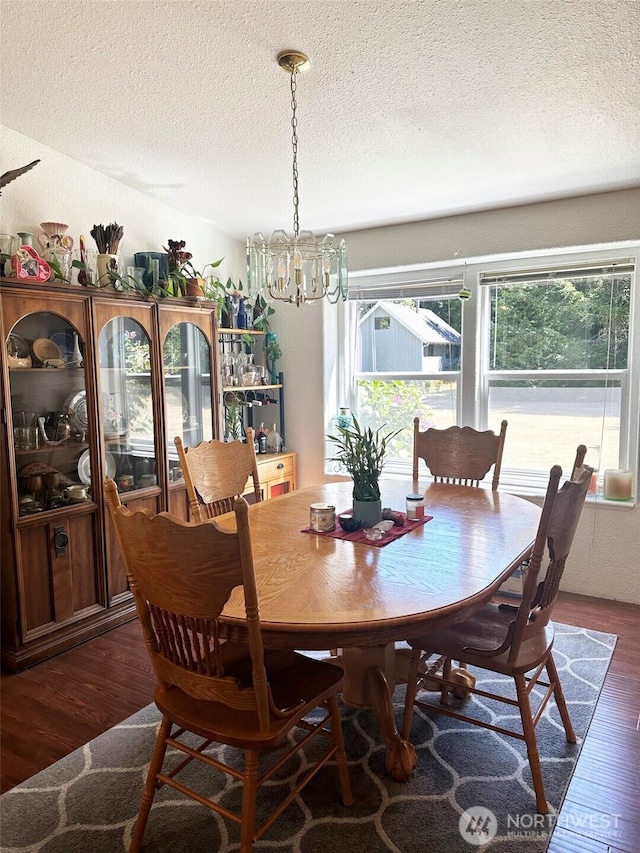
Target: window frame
[(474, 375)]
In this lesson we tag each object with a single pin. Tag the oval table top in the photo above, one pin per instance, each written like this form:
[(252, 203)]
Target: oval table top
[(317, 592)]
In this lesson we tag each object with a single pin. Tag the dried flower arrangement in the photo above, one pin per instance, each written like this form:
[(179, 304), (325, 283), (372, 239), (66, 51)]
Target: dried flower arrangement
[(107, 237)]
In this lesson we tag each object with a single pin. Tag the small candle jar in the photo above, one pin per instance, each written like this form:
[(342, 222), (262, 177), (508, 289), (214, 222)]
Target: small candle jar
[(125, 481), (415, 507), (617, 485), (322, 517)]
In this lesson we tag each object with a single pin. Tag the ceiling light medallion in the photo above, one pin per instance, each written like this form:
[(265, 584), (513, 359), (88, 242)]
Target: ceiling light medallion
[(301, 268)]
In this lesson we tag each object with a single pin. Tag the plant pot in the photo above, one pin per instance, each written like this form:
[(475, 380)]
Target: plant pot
[(367, 512), (194, 287)]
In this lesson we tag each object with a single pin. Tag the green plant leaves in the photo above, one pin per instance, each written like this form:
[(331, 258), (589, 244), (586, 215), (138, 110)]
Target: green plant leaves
[(362, 453)]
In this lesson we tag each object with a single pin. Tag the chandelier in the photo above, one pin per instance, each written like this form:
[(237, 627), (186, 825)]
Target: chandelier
[(301, 268)]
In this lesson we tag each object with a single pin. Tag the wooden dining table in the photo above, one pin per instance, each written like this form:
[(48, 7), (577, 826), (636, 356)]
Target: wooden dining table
[(316, 592)]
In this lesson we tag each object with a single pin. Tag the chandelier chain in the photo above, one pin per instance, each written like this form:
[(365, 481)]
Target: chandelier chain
[(294, 144)]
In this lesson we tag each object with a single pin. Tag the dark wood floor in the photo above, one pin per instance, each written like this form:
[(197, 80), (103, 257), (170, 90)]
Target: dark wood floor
[(55, 707)]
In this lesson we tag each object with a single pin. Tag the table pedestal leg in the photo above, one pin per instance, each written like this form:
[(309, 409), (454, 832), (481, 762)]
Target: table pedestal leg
[(371, 675)]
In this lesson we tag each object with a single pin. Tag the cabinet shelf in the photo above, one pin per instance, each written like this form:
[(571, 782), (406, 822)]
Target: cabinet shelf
[(222, 331), (49, 448), (242, 389), (42, 369)]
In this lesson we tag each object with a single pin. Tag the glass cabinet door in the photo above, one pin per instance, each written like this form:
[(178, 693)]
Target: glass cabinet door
[(186, 356), (126, 404), (52, 429)]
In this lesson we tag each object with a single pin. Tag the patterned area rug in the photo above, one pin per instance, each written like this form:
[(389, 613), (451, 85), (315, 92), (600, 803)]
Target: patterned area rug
[(88, 801)]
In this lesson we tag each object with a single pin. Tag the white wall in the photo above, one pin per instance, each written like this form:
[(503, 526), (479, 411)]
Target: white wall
[(605, 560), (584, 221), (60, 189)]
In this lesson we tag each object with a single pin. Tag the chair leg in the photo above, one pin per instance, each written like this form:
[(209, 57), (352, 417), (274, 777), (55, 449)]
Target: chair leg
[(412, 690), (532, 744), (558, 695), (341, 755), (150, 788), (249, 799), (446, 674)]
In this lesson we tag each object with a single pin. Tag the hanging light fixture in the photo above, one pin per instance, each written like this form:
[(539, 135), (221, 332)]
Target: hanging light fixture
[(302, 268)]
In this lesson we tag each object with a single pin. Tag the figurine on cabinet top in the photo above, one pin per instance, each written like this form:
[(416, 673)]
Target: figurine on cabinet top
[(29, 266)]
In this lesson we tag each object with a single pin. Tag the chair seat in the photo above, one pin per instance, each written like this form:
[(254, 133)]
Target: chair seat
[(296, 682), (487, 629)]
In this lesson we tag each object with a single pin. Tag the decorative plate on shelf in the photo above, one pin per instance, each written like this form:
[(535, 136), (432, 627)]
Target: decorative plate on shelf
[(84, 467), (76, 407)]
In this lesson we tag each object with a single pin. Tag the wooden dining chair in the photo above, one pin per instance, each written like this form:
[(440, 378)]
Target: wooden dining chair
[(459, 455), (216, 473), (512, 587), (514, 641), (578, 462), (231, 692)]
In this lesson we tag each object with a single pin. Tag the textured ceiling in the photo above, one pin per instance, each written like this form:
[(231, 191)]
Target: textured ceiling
[(411, 109)]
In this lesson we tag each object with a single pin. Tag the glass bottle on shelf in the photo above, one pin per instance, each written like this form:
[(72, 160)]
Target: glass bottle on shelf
[(261, 438), (243, 319), (274, 441)]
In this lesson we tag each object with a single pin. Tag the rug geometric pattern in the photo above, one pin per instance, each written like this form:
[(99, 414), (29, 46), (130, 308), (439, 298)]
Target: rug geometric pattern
[(88, 801)]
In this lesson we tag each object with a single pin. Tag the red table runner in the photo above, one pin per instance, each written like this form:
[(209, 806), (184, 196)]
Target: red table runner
[(358, 535)]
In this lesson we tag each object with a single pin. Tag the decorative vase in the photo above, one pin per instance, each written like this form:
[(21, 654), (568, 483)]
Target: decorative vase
[(226, 316), (26, 238), (54, 236), (136, 274), (367, 513), (63, 258), (7, 247), (344, 419), (105, 265)]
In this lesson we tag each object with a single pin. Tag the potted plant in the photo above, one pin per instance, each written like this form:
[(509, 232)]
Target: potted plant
[(272, 353), (362, 452), (184, 278)]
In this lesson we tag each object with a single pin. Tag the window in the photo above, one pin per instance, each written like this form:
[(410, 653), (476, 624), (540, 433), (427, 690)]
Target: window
[(557, 350), (414, 367), (546, 344)]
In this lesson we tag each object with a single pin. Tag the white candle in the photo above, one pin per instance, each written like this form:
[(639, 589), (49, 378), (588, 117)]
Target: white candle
[(617, 485)]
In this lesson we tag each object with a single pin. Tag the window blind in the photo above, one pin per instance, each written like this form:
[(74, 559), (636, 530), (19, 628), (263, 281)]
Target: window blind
[(622, 267), (402, 285)]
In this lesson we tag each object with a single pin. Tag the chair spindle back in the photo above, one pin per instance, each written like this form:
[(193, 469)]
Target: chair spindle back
[(459, 455), (181, 575), (216, 473)]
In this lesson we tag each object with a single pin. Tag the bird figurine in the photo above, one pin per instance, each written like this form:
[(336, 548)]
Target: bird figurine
[(7, 177)]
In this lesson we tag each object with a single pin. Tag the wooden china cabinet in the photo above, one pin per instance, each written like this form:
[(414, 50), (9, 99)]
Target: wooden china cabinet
[(94, 383)]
